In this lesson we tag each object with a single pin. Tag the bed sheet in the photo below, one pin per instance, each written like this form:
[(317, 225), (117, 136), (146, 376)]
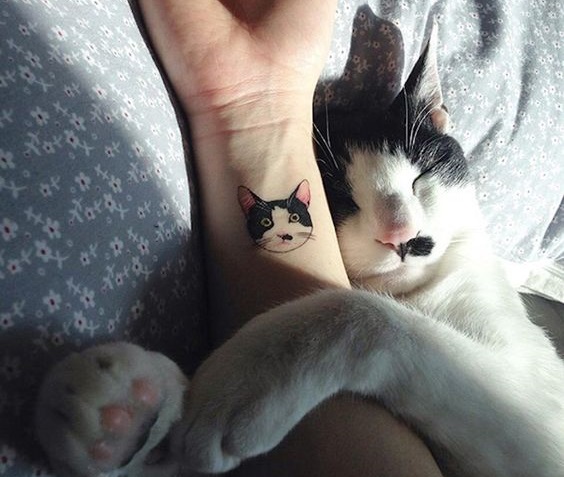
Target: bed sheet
[(100, 237)]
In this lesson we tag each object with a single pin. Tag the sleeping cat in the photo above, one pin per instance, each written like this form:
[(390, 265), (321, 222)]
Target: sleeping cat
[(434, 332)]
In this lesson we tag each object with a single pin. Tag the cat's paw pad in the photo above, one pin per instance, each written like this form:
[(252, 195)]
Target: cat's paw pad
[(107, 407)]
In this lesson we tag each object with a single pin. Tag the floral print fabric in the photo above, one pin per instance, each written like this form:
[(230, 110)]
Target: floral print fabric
[(98, 225), (97, 236)]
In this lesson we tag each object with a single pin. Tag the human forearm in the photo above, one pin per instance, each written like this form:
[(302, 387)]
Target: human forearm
[(270, 157), (246, 86)]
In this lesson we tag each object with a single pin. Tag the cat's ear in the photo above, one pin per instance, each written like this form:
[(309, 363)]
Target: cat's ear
[(247, 199), (302, 193), (423, 86)]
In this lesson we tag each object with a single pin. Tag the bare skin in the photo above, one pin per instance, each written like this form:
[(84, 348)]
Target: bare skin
[(245, 73)]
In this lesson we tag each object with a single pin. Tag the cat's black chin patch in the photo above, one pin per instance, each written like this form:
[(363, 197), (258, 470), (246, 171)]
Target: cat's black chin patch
[(416, 247)]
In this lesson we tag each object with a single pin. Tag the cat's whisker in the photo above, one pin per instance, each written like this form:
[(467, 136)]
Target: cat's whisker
[(327, 125), (419, 120), (406, 105), (326, 145)]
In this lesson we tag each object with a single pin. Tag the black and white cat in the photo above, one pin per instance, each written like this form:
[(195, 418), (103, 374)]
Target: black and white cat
[(434, 331), (278, 225)]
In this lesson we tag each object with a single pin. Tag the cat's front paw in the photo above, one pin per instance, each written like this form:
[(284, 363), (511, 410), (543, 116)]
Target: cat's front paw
[(106, 408), (242, 402)]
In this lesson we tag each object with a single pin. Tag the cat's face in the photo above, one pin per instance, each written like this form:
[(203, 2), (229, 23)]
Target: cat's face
[(278, 225), (398, 187), (405, 217)]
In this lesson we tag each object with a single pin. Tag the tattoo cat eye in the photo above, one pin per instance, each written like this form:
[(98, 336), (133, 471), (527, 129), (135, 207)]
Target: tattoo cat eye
[(266, 222), (294, 218)]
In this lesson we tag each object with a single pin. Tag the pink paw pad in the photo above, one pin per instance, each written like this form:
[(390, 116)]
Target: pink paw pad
[(145, 392), (101, 451), (116, 419)]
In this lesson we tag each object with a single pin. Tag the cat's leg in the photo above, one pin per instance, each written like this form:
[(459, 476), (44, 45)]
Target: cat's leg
[(256, 387), (107, 408), (464, 395)]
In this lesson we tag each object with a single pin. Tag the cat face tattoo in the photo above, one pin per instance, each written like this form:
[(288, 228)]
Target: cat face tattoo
[(278, 225)]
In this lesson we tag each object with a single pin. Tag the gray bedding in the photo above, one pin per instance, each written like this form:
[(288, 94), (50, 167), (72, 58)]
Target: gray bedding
[(99, 224)]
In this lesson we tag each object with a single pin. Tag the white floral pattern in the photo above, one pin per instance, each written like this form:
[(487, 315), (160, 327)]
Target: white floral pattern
[(96, 211)]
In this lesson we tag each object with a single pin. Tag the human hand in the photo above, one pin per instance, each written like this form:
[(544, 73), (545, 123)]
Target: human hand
[(228, 53)]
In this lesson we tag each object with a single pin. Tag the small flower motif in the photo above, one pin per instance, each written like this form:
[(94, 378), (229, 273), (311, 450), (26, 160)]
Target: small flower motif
[(59, 33), (79, 321), (6, 159), (57, 339), (77, 122), (83, 181), (100, 92), (106, 31), (117, 246), (115, 183), (87, 298), (88, 57), (89, 212), (9, 229), (53, 301), (24, 30), (42, 250), (10, 369), (14, 266), (84, 258), (45, 190), (137, 310), (7, 458), (33, 59), (26, 74), (52, 228), (109, 202), (143, 246), (138, 149), (136, 266), (48, 147), (6, 321), (71, 138), (165, 207)]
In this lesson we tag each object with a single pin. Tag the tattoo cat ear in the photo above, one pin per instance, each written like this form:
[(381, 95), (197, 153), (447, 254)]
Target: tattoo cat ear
[(424, 86), (247, 200), (302, 193)]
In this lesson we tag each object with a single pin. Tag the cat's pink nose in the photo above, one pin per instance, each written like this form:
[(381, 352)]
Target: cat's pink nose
[(394, 236)]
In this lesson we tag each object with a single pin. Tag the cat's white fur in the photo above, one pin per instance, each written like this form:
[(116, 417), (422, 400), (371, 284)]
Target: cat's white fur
[(453, 353), (443, 341)]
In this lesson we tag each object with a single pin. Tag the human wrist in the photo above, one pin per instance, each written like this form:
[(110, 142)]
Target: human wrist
[(254, 133)]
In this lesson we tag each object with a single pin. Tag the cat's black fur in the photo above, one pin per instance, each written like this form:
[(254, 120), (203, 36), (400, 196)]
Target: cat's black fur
[(401, 127), (263, 210)]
